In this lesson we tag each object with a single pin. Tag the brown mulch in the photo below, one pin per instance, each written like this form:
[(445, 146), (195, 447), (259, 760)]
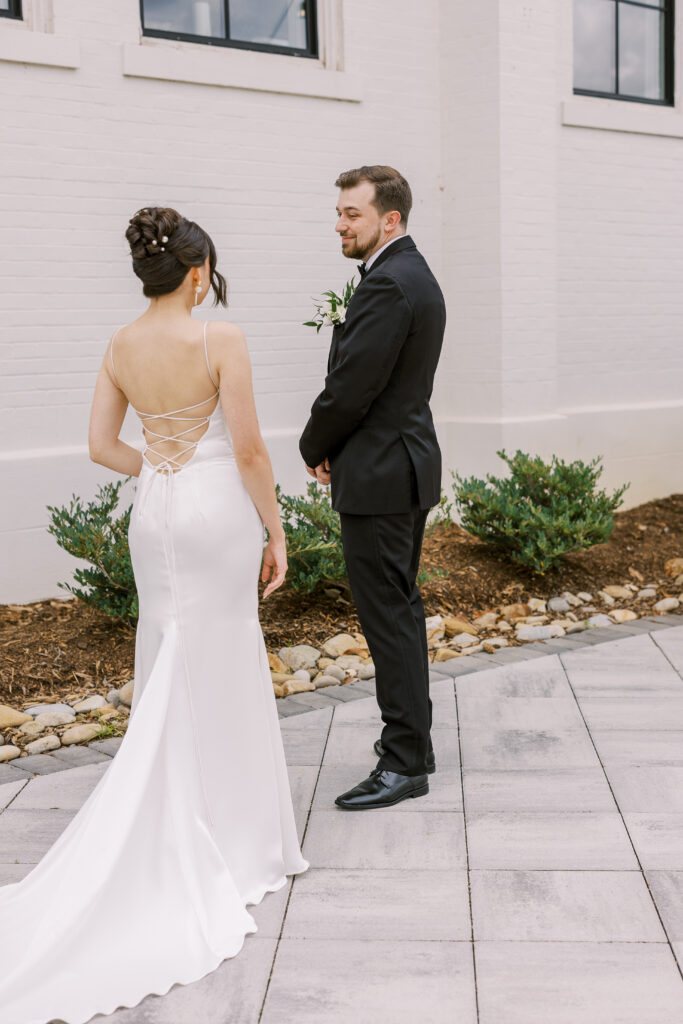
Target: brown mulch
[(50, 649)]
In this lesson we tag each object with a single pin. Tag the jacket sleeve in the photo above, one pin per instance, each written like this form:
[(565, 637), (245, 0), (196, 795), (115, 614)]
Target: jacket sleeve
[(378, 322)]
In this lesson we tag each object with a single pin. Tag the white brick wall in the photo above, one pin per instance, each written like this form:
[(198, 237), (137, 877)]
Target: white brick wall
[(557, 246)]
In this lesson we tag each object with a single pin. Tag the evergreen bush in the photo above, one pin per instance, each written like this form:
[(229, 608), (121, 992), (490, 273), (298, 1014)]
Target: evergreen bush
[(541, 511), (313, 533), (94, 533)]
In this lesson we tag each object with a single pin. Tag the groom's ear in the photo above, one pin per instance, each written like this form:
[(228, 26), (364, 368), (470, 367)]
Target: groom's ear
[(392, 220)]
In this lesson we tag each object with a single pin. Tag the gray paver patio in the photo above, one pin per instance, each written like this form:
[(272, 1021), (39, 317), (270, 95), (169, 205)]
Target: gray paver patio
[(541, 879)]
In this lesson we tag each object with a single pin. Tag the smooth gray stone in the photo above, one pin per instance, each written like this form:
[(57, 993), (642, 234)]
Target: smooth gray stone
[(42, 764), (536, 678), (578, 983), (38, 709), (551, 906), (555, 713), (66, 790), (26, 835), (445, 789), (355, 746), (657, 838), (667, 891), (10, 790), (650, 788), (399, 905), (384, 838), (11, 873), (651, 713), (109, 745), (572, 789), (527, 748), (76, 755), (232, 993), (319, 718), (638, 746), (303, 746), (633, 667), (336, 981), (302, 781), (560, 841)]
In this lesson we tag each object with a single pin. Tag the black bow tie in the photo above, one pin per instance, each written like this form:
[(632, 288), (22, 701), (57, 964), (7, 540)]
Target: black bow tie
[(363, 270)]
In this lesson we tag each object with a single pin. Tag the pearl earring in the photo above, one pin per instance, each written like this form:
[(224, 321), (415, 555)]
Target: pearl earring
[(197, 290)]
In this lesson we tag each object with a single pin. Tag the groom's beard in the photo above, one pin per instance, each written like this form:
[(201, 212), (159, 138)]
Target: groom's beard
[(357, 251)]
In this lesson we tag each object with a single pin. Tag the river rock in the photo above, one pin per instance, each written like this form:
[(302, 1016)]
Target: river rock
[(436, 630), (464, 640), (80, 734), (39, 709), (486, 620), (667, 604), (444, 654), (525, 632), (10, 718), (49, 719), (595, 621), (504, 627), (336, 671), (606, 598), (576, 627), (299, 656), (674, 567), (558, 604), (32, 728), (113, 698), (42, 745), (679, 580), (8, 752), (276, 663), (126, 693), (324, 679), (617, 591), (646, 592), (298, 686), (455, 626), (90, 703), (302, 673), (622, 615), (367, 671), (350, 662), (494, 643), (512, 612), (572, 599), (584, 597), (537, 605), (338, 645)]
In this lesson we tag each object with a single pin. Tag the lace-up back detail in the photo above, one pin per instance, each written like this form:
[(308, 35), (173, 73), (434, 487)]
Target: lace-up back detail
[(173, 463)]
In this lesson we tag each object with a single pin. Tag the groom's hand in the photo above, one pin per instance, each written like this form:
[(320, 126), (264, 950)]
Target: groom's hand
[(322, 472)]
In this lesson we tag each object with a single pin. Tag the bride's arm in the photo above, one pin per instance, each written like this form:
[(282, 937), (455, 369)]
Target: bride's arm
[(230, 357), (107, 414)]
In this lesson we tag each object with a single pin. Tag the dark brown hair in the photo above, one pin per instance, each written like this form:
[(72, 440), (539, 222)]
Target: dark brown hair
[(164, 246), (392, 191)]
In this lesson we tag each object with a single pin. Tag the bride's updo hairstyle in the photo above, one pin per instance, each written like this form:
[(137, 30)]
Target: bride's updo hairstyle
[(164, 246)]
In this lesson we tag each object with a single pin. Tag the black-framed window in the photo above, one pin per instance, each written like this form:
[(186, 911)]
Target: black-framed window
[(277, 26), (10, 8), (624, 49)]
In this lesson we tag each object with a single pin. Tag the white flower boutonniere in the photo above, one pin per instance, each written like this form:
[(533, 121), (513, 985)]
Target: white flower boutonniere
[(331, 309)]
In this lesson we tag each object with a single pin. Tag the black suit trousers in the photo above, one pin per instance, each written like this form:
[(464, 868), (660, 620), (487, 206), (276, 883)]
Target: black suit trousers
[(382, 554)]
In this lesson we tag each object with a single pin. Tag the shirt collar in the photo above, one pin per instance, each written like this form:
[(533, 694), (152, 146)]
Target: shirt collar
[(371, 259)]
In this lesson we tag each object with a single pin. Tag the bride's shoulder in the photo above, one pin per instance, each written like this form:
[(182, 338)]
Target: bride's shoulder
[(222, 332)]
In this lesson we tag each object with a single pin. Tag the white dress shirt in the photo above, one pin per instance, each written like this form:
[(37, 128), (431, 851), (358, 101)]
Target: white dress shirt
[(371, 259)]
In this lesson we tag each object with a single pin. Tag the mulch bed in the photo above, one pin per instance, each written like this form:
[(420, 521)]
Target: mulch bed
[(50, 649)]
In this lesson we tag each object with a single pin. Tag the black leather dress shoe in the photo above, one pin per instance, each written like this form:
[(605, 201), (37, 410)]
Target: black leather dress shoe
[(382, 788), (431, 762)]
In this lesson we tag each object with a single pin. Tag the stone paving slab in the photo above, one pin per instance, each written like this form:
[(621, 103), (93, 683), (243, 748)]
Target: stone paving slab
[(560, 878)]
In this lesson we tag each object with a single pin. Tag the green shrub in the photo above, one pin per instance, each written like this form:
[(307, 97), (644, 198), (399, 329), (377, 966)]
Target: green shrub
[(313, 532), (92, 532), (541, 511)]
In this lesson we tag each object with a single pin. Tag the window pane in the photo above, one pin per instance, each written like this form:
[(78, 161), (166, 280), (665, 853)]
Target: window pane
[(277, 22), (4, 5), (594, 45), (191, 17), (641, 52)]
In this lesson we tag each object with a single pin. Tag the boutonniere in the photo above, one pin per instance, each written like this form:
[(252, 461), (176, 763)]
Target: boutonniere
[(331, 308)]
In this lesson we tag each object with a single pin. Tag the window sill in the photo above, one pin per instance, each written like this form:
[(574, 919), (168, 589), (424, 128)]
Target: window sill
[(238, 69), (26, 47), (619, 116)]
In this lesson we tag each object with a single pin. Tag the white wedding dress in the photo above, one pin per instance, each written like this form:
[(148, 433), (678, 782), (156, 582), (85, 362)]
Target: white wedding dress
[(193, 819)]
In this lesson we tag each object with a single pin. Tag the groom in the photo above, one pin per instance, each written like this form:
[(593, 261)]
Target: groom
[(371, 435)]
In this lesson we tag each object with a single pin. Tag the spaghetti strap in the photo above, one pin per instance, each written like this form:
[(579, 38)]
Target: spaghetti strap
[(206, 353), (111, 355)]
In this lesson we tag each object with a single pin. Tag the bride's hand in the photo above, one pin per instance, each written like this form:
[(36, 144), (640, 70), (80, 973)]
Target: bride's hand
[(274, 564)]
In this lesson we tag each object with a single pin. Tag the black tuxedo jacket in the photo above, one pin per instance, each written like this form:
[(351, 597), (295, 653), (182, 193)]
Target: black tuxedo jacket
[(373, 420)]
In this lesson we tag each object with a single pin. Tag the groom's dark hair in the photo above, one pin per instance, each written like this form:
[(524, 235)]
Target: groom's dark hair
[(392, 191)]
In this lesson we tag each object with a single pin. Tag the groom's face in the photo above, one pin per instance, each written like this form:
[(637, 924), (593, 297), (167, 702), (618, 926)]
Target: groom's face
[(359, 224)]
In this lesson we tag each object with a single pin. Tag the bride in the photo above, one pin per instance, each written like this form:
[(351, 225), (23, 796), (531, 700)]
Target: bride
[(192, 821)]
